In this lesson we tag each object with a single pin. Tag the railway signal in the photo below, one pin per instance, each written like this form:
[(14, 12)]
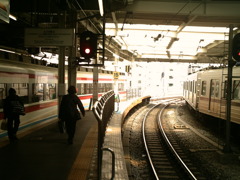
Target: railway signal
[(236, 47), (88, 44)]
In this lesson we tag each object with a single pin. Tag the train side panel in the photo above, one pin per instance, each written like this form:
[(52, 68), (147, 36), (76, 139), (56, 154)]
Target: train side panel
[(209, 100), (191, 90), (211, 93), (37, 86)]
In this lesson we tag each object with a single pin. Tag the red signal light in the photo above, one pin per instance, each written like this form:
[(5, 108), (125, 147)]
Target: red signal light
[(87, 51), (88, 44), (236, 47)]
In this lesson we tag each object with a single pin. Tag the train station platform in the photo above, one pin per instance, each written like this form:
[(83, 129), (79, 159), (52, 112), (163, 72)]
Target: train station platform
[(45, 154)]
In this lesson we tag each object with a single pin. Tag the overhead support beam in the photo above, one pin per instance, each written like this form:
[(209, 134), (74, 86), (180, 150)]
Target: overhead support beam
[(204, 60), (115, 23), (180, 28), (203, 8), (214, 44)]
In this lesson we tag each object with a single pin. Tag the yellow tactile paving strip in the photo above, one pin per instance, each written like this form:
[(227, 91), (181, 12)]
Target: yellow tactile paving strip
[(83, 161)]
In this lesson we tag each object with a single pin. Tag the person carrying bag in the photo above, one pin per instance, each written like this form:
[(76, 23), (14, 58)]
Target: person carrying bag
[(68, 112), (12, 109)]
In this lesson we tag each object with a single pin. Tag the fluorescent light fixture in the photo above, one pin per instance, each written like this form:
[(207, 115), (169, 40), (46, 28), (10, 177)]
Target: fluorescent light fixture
[(12, 17), (7, 51), (100, 3)]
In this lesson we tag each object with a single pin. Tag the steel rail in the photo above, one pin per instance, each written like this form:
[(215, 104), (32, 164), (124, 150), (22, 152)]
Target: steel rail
[(145, 141), (179, 159)]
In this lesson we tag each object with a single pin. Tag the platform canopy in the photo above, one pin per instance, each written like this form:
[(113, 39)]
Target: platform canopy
[(194, 31), (175, 30)]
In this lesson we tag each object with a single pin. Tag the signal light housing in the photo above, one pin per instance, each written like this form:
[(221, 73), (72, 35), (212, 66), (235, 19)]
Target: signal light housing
[(236, 47), (88, 44)]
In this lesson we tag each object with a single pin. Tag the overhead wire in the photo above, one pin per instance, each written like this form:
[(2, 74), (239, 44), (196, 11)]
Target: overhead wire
[(81, 9)]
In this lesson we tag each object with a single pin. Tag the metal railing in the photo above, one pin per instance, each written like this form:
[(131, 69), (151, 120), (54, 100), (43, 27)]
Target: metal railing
[(103, 110)]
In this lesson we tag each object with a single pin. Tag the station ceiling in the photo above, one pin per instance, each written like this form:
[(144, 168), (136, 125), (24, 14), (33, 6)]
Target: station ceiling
[(177, 30), (142, 30)]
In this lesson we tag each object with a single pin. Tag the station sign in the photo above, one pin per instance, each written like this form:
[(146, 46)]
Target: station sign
[(116, 75), (48, 37)]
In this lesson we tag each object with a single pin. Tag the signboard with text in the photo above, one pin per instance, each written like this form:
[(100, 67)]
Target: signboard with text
[(48, 37), (4, 10), (116, 75)]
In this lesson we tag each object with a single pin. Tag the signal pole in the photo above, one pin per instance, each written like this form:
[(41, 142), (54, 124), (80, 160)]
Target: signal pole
[(227, 147)]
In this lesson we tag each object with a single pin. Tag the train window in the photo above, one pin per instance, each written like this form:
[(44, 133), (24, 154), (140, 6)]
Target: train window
[(236, 89), (217, 88), (100, 87), (51, 91), (225, 90), (120, 86), (212, 88), (37, 90), (22, 91), (90, 87), (204, 85), (170, 77), (195, 87), (86, 89), (80, 88), (2, 93), (170, 84), (110, 86)]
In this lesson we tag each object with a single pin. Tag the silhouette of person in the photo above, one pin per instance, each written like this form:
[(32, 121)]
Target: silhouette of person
[(69, 113), (10, 111)]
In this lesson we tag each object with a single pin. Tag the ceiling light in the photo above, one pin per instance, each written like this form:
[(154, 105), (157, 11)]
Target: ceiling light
[(100, 3), (12, 17)]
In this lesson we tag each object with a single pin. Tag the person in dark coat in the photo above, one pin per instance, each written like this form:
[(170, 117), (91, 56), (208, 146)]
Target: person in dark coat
[(69, 113), (12, 115)]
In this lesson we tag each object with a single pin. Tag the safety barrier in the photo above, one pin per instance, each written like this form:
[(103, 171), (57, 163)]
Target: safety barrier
[(103, 110)]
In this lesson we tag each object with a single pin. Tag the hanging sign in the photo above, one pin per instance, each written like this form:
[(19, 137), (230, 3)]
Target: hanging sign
[(4, 10), (46, 37)]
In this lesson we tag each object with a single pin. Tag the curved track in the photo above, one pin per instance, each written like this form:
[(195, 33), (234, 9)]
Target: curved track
[(165, 160)]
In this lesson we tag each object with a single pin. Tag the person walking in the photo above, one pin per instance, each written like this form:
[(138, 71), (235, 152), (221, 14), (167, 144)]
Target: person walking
[(13, 107), (68, 112)]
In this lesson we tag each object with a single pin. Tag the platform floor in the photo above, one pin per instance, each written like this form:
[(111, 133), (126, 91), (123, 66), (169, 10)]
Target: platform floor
[(45, 155)]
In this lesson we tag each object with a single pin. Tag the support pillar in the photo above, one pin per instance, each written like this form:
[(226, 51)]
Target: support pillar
[(95, 84), (227, 147), (61, 64), (72, 67)]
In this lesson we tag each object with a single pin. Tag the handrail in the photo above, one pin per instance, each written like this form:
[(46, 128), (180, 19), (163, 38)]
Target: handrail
[(103, 110), (113, 161)]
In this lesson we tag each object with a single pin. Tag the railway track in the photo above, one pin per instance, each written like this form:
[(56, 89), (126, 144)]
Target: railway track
[(197, 147), (166, 158)]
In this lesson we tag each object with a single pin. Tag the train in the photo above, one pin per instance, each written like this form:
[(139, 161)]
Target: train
[(37, 85), (205, 91)]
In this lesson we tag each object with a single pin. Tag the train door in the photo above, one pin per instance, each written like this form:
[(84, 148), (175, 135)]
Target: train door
[(213, 97)]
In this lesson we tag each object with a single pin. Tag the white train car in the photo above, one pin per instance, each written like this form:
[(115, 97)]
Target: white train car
[(37, 86), (205, 91)]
